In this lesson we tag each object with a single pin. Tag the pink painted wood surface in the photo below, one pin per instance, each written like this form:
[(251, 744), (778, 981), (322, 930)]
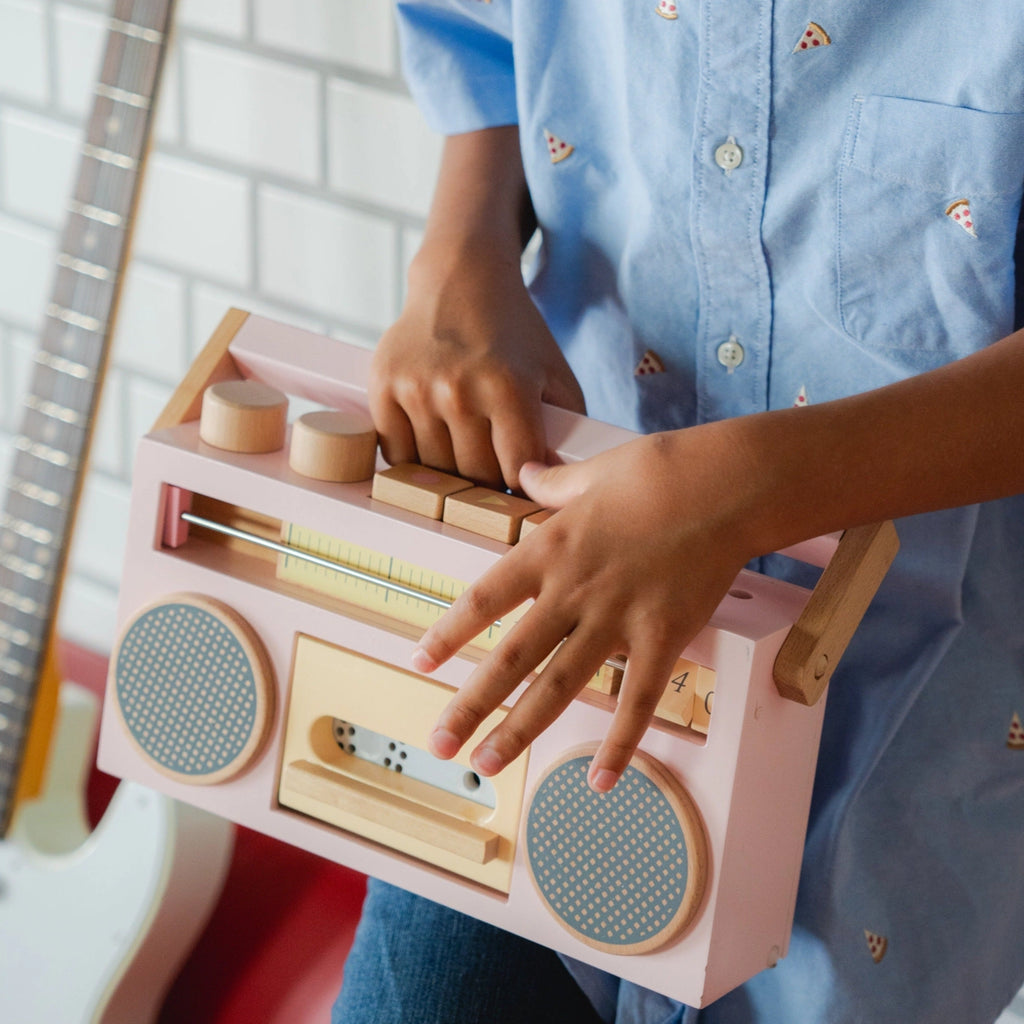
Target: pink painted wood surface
[(751, 779)]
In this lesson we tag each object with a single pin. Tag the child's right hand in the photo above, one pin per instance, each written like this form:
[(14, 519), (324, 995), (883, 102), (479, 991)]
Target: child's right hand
[(457, 382)]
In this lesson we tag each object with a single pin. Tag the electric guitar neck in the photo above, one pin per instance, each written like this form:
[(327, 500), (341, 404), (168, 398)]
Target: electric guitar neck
[(52, 442)]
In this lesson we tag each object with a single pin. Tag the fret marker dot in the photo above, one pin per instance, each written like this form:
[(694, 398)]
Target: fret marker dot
[(90, 240), (113, 125)]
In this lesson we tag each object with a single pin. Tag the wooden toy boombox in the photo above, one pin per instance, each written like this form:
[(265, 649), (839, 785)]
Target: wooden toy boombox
[(268, 614)]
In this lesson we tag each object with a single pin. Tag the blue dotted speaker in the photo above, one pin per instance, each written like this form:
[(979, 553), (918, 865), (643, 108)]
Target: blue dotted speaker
[(194, 688), (623, 871)]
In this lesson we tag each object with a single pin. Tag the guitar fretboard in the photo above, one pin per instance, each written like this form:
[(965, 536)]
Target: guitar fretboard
[(55, 429)]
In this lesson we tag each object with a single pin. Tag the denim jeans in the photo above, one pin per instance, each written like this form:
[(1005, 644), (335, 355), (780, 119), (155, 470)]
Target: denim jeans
[(416, 962)]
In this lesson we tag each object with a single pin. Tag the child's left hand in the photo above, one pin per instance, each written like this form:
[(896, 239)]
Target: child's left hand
[(648, 539)]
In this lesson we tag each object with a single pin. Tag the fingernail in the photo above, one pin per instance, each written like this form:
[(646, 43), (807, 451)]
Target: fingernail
[(487, 761), (443, 743), (602, 780), (421, 661)]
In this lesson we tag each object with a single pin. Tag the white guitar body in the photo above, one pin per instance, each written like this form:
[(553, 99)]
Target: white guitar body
[(94, 927)]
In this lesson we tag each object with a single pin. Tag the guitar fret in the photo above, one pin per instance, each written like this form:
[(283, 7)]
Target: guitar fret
[(97, 213), (30, 570), (128, 28), (80, 266), (53, 410), (25, 605), (19, 637), (128, 98), (66, 366), (69, 316), (43, 452), (12, 699), (109, 156), (17, 670), (34, 492), (23, 528)]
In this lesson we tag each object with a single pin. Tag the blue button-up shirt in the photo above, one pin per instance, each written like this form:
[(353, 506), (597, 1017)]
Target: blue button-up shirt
[(745, 209)]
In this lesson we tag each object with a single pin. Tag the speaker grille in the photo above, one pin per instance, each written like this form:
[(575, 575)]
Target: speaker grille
[(193, 688), (623, 871)]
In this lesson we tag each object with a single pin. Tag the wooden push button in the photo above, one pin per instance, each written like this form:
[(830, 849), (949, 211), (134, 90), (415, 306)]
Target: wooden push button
[(488, 513), (416, 488), (334, 445), (531, 522), (244, 416)]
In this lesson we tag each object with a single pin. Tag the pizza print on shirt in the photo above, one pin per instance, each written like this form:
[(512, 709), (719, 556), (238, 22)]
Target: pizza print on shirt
[(668, 10), (558, 149), (649, 364), (801, 399), (878, 945), (813, 37), (1015, 739), (960, 213)]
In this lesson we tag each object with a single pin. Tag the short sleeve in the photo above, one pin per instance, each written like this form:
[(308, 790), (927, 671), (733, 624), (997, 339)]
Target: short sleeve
[(457, 61)]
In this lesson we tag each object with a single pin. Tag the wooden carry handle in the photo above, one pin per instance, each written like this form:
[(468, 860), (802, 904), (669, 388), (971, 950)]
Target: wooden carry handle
[(810, 653)]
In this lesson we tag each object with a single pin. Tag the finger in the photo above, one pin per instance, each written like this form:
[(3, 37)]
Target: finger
[(554, 486), (517, 437), (473, 452), (397, 441), (565, 392), (569, 670), (643, 683), (505, 668), (434, 443), (506, 585)]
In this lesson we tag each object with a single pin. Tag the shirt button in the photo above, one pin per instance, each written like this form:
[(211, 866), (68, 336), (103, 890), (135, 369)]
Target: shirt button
[(730, 353), (729, 156)]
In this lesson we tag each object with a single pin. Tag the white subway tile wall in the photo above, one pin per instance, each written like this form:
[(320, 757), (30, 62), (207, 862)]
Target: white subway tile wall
[(290, 176)]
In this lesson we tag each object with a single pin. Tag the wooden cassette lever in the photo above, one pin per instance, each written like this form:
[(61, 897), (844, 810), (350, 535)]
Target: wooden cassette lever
[(810, 653), (392, 810)]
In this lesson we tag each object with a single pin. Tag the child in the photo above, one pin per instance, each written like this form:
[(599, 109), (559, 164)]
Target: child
[(784, 251)]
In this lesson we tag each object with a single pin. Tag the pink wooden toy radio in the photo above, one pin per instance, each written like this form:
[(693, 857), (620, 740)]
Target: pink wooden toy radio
[(271, 601)]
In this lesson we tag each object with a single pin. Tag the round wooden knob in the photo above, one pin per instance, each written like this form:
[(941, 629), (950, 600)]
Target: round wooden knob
[(244, 416), (334, 445)]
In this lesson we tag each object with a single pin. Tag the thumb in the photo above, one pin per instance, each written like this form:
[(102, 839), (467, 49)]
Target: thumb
[(552, 486)]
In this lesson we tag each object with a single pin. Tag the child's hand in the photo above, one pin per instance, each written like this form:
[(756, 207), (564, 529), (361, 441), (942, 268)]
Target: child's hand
[(457, 382), (645, 545)]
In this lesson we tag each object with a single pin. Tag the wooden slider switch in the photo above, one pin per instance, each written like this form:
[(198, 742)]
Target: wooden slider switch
[(607, 680), (488, 513), (703, 700), (334, 445), (244, 416), (418, 489), (680, 702)]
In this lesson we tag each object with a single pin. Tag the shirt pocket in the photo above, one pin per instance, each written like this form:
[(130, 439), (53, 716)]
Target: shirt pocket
[(928, 200)]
